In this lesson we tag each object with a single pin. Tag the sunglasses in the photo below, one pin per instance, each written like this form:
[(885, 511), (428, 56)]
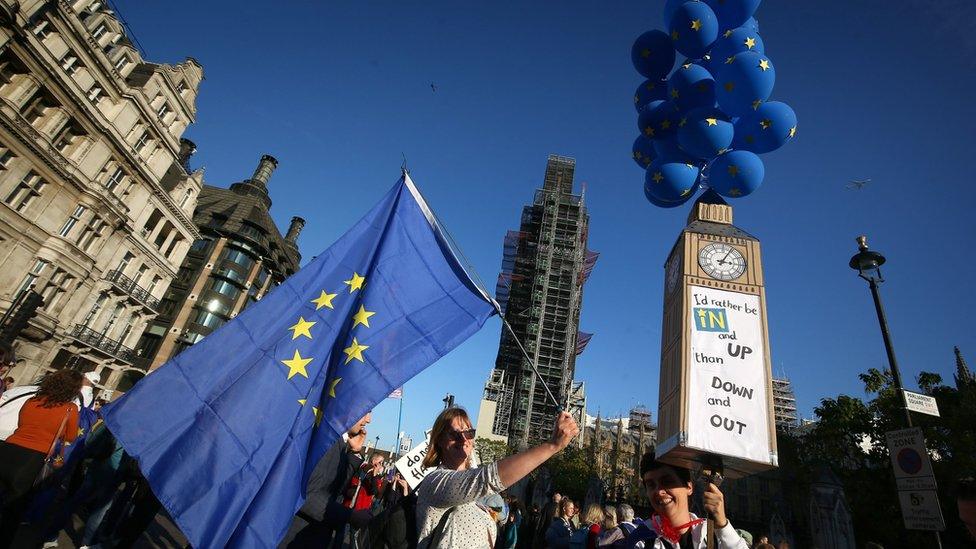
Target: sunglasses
[(461, 436)]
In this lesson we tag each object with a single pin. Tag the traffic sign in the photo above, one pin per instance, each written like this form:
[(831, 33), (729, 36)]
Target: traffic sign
[(920, 510), (922, 404), (915, 480)]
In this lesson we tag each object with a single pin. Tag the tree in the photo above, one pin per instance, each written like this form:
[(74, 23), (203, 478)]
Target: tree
[(490, 451), (571, 470)]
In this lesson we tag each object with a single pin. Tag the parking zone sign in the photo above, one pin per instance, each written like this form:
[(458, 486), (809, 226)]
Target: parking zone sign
[(915, 480)]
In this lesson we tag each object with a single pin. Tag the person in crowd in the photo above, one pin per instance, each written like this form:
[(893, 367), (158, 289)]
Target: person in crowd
[(99, 402), (608, 526), (745, 535), (395, 527), (672, 525), (762, 539), (544, 519), (366, 485), (592, 522), (561, 529), (965, 490), (13, 400), (323, 516), (617, 536), (508, 538), (447, 514), (47, 420), (530, 525)]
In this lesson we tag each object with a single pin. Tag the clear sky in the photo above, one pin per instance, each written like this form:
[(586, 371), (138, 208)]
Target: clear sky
[(337, 91)]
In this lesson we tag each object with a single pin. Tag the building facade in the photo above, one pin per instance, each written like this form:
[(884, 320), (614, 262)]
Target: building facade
[(541, 289), (238, 258), (96, 197), (784, 405)]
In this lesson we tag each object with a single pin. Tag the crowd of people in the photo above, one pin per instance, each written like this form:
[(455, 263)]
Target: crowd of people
[(58, 464)]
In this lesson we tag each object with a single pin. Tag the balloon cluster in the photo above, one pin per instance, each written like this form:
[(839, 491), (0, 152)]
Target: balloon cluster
[(705, 123)]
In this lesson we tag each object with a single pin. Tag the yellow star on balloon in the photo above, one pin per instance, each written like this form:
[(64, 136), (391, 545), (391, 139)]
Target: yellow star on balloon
[(750, 139), (696, 25), (729, 86), (729, 60), (324, 300), (356, 282), (793, 131), (665, 124), (766, 123), (354, 351), (649, 131), (764, 65), (674, 35), (318, 415), (636, 99), (674, 93), (756, 103), (750, 42), (657, 177), (650, 86), (362, 317), (296, 365), (302, 328), (734, 191), (684, 120), (645, 53), (638, 155), (712, 121), (733, 170), (332, 386), (727, 34)]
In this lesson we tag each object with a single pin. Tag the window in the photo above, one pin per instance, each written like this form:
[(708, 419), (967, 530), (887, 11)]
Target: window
[(69, 63), (124, 263), (225, 288), (5, 157), (33, 275), (208, 319), (94, 6), (35, 108), (25, 192), (152, 285), (162, 111), (72, 219), (231, 274), (142, 142), (218, 306), (261, 278), (42, 29), (91, 232), (117, 176), (56, 288), (239, 257), (200, 245), (186, 198), (121, 62), (94, 93), (99, 31), (111, 319), (252, 231), (66, 136), (181, 87), (94, 310), (142, 272)]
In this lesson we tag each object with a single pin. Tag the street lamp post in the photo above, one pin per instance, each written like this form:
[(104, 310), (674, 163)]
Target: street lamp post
[(868, 263)]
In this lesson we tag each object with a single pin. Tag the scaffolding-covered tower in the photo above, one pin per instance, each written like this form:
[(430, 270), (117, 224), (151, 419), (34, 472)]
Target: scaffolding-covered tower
[(540, 288), (784, 404)]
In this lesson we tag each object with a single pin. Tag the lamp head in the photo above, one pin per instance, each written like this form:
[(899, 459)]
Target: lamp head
[(866, 262)]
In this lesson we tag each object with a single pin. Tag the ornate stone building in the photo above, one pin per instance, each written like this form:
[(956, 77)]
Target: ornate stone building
[(239, 257), (96, 196), (615, 447)]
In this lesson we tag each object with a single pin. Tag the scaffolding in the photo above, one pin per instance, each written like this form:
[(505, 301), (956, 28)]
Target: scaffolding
[(784, 404), (544, 266)]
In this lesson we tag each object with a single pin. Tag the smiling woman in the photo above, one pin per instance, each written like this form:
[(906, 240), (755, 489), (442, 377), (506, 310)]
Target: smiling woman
[(448, 514)]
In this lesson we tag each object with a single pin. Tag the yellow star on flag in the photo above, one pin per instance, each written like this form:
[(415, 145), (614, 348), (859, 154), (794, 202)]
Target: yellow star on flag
[(296, 365), (362, 317), (302, 401), (766, 123), (324, 300), (81, 431), (303, 328), (657, 177), (356, 282), (645, 53), (332, 386), (712, 121), (318, 415), (764, 65), (696, 25), (665, 124), (793, 131), (729, 86), (354, 351), (733, 170), (750, 42)]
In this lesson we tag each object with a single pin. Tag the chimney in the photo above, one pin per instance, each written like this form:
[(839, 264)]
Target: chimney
[(294, 229), (187, 148), (264, 170)]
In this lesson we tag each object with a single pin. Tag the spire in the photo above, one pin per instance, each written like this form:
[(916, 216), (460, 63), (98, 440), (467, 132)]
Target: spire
[(963, 375)]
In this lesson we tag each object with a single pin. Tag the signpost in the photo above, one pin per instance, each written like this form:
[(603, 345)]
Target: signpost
[(917, 490), (922, 404)]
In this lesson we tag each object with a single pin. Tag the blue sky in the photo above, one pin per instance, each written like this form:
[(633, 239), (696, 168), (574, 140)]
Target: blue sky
[(338, 91)]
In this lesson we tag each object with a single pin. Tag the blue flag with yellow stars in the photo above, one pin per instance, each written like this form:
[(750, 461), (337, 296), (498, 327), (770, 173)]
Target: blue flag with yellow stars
[(228, 432)]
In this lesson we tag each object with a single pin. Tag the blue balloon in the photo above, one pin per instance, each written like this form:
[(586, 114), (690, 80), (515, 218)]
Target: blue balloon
[(670, 150), (663, 204), (733, 13), (653, 54), (752, 24), (734, 174), (671, 6), (670, 181), (650, 90), (691, 86), (693, 28), (643, 152), (705, 132), (765, 129), (735, 41), (659, 119), (744, 82)]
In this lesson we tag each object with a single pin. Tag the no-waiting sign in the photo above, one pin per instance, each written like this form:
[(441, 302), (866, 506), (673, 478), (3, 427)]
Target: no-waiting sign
[(922, 404), (915, 480)]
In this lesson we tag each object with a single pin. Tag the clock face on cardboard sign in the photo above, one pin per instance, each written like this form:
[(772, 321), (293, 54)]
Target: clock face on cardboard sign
[(721, 261)]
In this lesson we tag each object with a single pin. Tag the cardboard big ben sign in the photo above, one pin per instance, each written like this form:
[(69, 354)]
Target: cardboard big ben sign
[(715, 396)]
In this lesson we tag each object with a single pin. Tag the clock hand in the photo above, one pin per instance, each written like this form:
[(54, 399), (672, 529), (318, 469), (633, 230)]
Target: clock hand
[(722, 261)]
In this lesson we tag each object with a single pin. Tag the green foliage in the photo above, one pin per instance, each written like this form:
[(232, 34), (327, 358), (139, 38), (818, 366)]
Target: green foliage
[(490, 451), (849, 437), (571, 470)]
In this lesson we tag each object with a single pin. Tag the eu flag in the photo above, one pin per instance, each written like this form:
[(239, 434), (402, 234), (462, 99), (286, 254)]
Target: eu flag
[(228, 431)]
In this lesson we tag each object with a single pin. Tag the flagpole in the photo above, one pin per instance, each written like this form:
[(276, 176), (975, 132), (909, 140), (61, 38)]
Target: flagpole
[(399, 421)]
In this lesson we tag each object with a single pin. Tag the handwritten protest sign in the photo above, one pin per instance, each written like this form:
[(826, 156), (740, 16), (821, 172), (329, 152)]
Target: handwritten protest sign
[(410, 465), (728, 410)]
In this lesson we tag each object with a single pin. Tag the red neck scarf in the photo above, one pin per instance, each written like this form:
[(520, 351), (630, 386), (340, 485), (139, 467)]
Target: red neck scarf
[(663, 527)]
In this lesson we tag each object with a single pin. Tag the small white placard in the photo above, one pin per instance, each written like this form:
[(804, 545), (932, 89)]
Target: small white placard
[(922, 404)]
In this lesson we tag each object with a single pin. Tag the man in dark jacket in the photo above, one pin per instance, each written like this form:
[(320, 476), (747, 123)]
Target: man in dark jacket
[(323, 517)]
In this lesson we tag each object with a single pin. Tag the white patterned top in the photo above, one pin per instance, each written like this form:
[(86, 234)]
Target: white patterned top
[(469, 526)]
